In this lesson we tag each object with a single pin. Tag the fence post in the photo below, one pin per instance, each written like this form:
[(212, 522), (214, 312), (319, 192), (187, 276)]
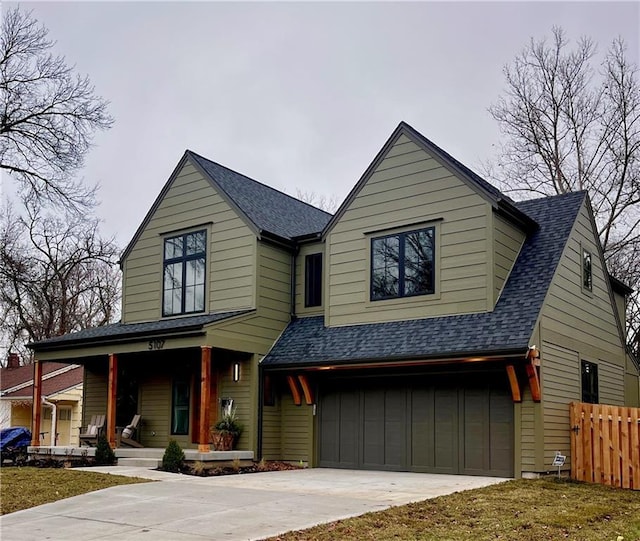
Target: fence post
[(573, 421), (635, 447)]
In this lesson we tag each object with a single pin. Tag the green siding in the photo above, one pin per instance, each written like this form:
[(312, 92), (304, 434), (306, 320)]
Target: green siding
[(610, 382), (527, 435), (257, 332), (271, 426), (287, 430), (192, 202), (316, 247), (407, 187), (507, 242), (577, 325), (154, 405), (296, 434), (94, 401), (584, 322), (242, 393), (631, 384), (560, 378)]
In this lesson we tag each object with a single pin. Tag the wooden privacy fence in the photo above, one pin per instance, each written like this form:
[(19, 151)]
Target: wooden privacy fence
[(605, 444)]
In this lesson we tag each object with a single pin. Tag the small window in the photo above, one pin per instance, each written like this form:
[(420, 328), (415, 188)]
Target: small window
[(587, 278), (180, 408), (64, 414), (313, 280), (589, 382), (184, 266), (403, 264)]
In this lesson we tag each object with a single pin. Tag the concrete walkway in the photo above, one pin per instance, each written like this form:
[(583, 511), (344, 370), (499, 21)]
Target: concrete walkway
[(234, 507)]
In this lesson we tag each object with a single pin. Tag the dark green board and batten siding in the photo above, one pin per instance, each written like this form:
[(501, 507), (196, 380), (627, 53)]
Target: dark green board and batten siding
[(424, 424)]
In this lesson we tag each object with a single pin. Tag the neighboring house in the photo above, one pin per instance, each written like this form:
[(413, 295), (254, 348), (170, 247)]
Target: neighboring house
[(432, 324), (61, 387)]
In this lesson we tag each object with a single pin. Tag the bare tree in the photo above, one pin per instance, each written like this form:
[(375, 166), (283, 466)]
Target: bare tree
[(57, 275), (321, 201), (569, 125), (48, 114)]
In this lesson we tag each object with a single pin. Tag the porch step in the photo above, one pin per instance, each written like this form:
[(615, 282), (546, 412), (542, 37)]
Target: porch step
[(150, 463)]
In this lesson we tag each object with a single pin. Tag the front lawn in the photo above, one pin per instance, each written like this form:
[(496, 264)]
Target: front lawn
[(521, 510), (21, 488)]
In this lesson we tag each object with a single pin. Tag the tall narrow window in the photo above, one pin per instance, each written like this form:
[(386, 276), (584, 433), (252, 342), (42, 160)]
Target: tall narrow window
[(184, 273), (589, 382), (313, 280), (587, 278), (403, 264), (180, 408)]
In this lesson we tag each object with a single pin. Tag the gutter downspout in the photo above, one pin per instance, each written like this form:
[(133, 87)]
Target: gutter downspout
[(54, 420), (260, 408)]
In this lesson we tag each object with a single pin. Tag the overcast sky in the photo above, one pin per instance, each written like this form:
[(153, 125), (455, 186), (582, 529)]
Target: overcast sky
[(296, 95)]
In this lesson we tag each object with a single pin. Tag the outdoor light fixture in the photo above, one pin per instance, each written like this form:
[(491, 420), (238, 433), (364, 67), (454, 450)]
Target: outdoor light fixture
[(236, 371)]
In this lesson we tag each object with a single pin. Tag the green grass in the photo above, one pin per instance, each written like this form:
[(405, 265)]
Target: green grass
[(522, 510), (21, 488)]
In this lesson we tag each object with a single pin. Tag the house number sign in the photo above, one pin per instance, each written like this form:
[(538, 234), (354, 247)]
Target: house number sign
[(156, 344)]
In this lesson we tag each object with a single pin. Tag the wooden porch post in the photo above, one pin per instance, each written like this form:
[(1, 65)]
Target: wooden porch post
[(36, 410), (205, 399), (111, 399)]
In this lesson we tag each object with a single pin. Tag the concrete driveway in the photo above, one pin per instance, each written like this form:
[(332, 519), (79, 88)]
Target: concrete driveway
[(235, 507)]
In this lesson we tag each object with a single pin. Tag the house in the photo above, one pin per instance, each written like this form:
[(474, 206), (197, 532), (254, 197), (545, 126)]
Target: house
[(431, 324), (62, 391)]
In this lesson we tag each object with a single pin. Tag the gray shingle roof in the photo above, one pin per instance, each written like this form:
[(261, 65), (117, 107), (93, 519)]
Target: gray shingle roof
[(307, 341), (269, 209), (131, 330)]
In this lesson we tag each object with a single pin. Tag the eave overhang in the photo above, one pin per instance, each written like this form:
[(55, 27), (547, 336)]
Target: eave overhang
[(401, 361)]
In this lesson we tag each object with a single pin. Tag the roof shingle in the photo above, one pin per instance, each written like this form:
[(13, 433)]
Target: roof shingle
[(123, 330), (509, 326), (269, 209)]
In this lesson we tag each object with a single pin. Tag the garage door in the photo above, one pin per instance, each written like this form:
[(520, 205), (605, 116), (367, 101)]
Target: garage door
[(436, 424)]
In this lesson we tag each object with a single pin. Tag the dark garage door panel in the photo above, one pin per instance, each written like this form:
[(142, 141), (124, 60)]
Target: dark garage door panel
[(339, 424), (429, 427)]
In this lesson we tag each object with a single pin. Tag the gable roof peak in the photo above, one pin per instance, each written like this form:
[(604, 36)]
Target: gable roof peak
[(498, 200), (267, 209)]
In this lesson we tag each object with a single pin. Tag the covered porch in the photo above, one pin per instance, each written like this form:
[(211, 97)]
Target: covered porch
[(177, 379)]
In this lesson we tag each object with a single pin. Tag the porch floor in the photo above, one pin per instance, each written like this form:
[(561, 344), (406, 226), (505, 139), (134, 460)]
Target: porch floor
[(138, 453)]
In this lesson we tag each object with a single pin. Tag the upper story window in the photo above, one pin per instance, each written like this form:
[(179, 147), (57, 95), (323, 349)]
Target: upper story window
[(403, 264), (313, 280), (589, 382), (184, 273), (587, 278)]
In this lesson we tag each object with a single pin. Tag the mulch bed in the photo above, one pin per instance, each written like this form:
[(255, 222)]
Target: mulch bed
[(203, 470)]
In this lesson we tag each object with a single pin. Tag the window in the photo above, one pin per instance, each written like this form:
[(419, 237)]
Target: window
[(589, 382), (313, 280), (64, 414), (402, 264), (180, 408), (587, 279), (184, 273)]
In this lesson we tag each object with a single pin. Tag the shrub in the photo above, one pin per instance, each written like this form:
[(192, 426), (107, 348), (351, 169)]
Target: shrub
[(173, 457), (104, 454)]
